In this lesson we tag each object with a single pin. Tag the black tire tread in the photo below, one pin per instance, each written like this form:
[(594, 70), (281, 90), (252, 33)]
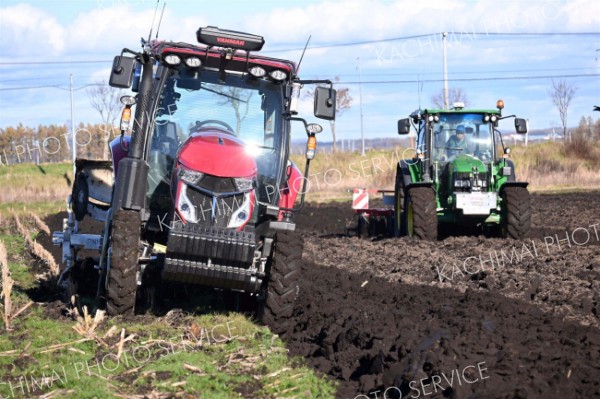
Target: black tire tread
[(283, 282), (425, 223), (517, 212), (122, 284)]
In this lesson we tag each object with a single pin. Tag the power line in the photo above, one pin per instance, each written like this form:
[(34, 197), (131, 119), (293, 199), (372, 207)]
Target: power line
[(533, 34), (30, 87), (471, 79), (60, 87), (54, 62), (333, 45), (468, 72), (366, 82)]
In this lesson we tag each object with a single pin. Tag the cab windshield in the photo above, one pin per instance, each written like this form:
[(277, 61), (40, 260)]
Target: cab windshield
[(247, 108), (458, 134)]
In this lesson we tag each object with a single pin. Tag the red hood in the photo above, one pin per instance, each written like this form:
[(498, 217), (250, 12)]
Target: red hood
[(216, 153)]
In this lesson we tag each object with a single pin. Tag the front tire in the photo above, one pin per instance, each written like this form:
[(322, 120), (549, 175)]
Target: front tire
[(283, 288), (516, 215), (421, 214), (122, 284)]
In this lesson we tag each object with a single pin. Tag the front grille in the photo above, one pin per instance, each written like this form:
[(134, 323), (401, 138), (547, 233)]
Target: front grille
[(214, 213), (466, 182), (217, 184)]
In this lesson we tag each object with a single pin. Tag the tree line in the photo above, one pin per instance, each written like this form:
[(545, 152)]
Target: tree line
[(53, 143)]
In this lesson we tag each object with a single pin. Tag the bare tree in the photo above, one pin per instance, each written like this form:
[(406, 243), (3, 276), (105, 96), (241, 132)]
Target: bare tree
[(561, 94), (455, 94), (105, 100), (343, 102), (239, 99)]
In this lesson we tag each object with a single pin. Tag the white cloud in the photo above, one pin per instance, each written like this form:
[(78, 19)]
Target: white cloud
[(26, 30)]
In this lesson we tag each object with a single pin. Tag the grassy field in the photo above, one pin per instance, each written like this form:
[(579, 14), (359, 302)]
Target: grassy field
[(44, 351), (40, 188)]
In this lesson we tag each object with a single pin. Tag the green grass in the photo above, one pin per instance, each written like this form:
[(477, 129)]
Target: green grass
[(34, 186), (253, 363)]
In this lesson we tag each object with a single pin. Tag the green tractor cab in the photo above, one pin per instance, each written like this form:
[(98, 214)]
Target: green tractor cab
[(460, 176)]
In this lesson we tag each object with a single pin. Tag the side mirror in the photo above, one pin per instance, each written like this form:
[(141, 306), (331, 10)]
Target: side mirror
[(404, 126), (325, 103), (121, 75), (521, 125)]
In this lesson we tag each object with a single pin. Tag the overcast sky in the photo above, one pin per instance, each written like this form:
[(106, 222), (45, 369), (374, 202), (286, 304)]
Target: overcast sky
[(491, 55)]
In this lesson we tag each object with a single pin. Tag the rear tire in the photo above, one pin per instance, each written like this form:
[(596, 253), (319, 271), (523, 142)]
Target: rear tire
[(421, 214), (516, 212), (282, 283), (122, 284)]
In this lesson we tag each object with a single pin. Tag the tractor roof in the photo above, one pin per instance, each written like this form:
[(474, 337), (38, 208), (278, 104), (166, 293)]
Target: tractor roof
[(211, 56), (461, 111)]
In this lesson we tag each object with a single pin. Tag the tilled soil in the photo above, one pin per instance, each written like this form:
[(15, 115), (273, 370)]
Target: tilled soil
[(464, 317), (521, 319)]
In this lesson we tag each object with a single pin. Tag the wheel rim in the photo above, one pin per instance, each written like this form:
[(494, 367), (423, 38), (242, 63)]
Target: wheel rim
[(409, 219)]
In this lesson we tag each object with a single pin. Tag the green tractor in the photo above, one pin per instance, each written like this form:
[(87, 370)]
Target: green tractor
[(460, 177)]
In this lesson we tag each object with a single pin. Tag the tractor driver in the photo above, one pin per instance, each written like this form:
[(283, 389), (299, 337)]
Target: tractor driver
[(457, 144)]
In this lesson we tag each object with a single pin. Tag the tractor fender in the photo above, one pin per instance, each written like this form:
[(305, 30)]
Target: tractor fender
[(403, 169)]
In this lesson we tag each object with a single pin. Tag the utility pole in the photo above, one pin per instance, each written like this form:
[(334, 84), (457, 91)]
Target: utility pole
[(446, 105), (73, 141), (362, 133)]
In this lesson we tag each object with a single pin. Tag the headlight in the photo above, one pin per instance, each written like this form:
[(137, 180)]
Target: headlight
[(172, 59), (462, 183), (189, 176), (185, 206), (257, 72), (278, 75), (193, 62), (244, 184), (243, 213)]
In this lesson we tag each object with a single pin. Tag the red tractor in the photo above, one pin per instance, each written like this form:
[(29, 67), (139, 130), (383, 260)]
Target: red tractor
[(203, 191)]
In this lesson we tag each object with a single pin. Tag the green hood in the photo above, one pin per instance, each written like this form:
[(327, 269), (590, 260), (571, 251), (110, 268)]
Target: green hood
[(464, 164)]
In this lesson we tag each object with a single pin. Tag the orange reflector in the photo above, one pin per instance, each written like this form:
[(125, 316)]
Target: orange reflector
[(500, 104), (125, 118), (126, 115), (312, 143)]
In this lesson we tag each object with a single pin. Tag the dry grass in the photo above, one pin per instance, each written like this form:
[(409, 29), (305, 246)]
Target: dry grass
[(546, 166), (86, 325), (40, 224), (7, 284), (36, 248), (555, 166), (332, 175), (35, 183)]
